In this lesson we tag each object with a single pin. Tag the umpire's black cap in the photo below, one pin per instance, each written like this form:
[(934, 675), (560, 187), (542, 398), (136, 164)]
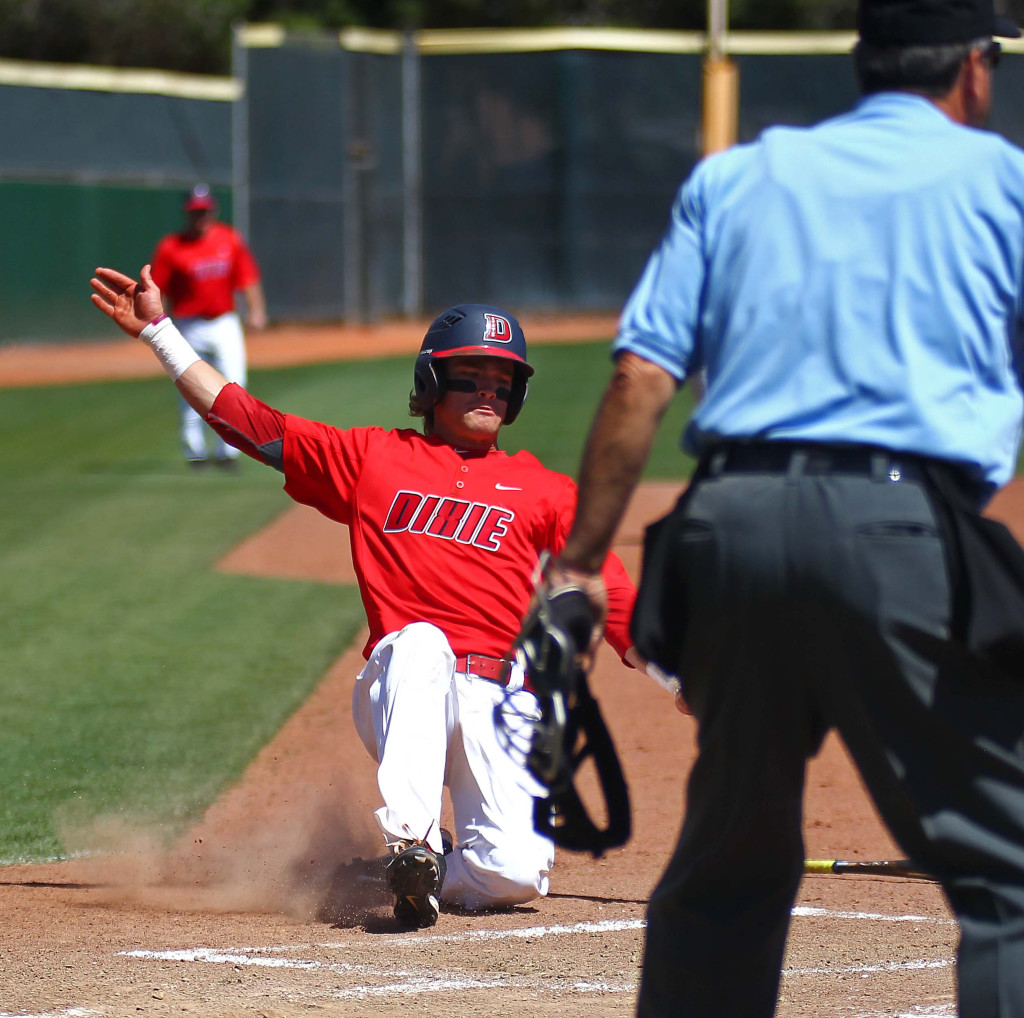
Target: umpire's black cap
[(885, 23)]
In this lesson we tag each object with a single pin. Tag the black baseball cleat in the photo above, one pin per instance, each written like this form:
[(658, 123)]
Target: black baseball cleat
[(415, 876)]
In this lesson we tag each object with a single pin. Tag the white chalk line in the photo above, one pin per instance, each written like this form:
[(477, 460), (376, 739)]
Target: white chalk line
[(921, 1011), (429, 984), (806, 912), (235, 956), (413, 982), (620, 925), (889, 966), (524, 933), (244, 955), (410, 983), (71, 1012)]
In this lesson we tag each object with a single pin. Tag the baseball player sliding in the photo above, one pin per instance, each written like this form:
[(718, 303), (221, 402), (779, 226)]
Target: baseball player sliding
[(446, 533), (199, 270)]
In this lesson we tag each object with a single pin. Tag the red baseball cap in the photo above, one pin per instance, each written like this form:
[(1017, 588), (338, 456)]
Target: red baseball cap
[(199, 198)]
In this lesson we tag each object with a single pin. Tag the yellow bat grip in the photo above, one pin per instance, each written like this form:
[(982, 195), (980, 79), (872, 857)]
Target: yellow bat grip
[(819, 866)]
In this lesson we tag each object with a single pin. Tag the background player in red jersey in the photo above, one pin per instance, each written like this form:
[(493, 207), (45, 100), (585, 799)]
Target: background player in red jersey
[(199, 270), (446, 533)]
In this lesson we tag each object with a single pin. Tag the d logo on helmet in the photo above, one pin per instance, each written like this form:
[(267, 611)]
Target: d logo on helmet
[(497, 329)]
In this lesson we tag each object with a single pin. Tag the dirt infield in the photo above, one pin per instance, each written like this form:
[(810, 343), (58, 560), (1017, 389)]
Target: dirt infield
[(223, 924), (29, 364)]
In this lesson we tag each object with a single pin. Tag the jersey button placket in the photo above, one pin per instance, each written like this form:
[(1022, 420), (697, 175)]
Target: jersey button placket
[(460, 484)]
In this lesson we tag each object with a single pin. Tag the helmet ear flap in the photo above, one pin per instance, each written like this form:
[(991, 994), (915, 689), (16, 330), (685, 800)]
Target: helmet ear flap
[(520, 389), (427, 383)]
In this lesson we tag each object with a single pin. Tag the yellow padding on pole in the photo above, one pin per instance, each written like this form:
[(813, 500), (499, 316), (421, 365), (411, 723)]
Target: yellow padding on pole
[(721, 104)]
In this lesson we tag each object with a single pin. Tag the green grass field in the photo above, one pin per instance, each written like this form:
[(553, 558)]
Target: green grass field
[(136, 681)]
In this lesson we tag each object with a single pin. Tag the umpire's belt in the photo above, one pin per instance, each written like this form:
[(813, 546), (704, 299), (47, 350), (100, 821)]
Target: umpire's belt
[(494, 669), (798, 458)]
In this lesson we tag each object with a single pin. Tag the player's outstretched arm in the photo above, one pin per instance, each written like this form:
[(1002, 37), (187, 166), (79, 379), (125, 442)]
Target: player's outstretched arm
[(137, 309)]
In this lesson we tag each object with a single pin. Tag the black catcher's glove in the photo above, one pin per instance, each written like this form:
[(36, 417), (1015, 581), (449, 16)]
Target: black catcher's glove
[(569, 728)]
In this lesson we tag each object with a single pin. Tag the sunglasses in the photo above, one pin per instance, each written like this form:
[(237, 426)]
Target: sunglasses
[(991, 53)]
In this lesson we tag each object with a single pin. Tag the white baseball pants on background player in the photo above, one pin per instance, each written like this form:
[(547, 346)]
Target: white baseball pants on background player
[(428, 726), (221, 342)]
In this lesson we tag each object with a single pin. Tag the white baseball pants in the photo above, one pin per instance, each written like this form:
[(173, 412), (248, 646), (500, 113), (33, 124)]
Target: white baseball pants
[(429, 726), (220, 342)]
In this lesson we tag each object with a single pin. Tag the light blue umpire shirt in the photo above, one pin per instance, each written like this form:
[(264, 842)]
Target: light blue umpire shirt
[(858, 281)]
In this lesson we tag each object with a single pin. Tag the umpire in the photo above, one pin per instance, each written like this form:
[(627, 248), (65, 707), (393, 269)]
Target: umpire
[(854, 291)]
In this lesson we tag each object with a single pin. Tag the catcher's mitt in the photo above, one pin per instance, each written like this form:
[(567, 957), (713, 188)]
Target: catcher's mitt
[(555, 741)]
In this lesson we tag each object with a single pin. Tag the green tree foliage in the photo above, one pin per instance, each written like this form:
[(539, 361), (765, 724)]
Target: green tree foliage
[(182, 35), (671, 14), (194, 35)]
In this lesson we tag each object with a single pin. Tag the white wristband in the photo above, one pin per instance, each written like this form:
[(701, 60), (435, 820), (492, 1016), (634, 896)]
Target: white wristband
[(670, 683), (172, 349)]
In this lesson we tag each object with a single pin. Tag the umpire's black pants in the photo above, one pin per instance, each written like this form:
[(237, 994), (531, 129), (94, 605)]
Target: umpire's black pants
[(811, 600)]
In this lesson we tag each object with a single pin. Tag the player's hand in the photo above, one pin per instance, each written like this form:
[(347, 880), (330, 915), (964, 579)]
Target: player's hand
[(257, 321), (132, 305)]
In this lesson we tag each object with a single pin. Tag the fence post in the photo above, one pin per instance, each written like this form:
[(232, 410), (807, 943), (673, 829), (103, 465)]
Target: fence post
[(412, 179), (354, 253), (240, 132)]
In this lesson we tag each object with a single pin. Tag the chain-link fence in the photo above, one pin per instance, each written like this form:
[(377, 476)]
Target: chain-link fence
[(377, 175), (93, 163)]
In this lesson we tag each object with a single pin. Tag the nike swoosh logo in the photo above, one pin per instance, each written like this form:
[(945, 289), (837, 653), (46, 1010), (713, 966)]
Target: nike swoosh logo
[(506, 487)]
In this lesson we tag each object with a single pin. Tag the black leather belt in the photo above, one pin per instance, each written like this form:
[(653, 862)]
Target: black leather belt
[(494, 669), (808, 458)]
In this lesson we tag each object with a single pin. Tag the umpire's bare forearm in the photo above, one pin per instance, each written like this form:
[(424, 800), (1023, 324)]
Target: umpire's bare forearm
[(617, 448)]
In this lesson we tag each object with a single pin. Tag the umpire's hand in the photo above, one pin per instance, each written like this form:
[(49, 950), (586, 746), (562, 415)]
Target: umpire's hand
[(592, 584)]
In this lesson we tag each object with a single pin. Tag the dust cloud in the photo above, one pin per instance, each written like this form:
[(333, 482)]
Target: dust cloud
[(292, 860)]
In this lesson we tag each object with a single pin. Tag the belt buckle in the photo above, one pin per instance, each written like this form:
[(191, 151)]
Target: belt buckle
[(492, 669)]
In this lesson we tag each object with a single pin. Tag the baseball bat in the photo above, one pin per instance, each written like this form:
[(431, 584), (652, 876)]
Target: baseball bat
[(880, 867)]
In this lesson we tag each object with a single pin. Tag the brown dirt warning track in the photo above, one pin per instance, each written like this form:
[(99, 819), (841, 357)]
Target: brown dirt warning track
[(224, 924)]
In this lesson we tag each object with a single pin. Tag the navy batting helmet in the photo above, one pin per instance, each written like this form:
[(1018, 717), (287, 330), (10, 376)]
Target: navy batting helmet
[(471, 330)]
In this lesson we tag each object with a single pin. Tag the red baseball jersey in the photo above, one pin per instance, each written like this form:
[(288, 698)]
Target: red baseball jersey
[(199, 275), (437, 535)]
